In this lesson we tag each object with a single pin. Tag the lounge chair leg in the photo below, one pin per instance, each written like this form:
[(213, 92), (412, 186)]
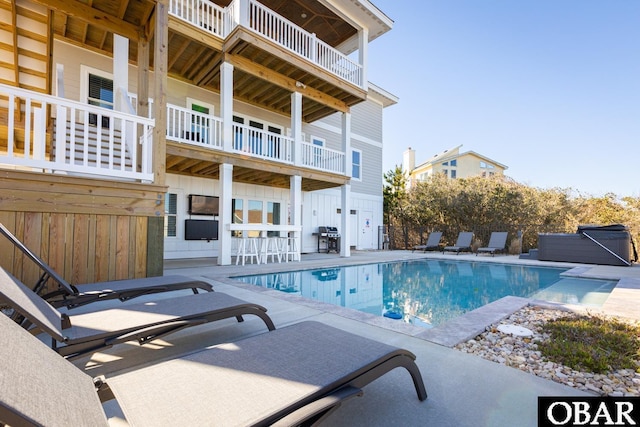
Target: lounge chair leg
[(240, 319)]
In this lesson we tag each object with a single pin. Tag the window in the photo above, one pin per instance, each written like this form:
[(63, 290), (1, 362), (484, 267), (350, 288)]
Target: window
[(237, 216), (170, 214), (273, 216), (454, 162), (316, 159), (255, 137), (199, 128), (445, 172), (256, 140), (356, 164), (238, 136), (445, 163), (273, 142), (254, 215), (483, 165), (453, 174), (100, 94)]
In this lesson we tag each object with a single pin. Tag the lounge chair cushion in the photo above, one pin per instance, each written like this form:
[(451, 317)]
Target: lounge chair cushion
[(36, 381), (252, 380), (88, 332), (305, 369)]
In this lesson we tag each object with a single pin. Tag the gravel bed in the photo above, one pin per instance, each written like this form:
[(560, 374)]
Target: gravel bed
[(522, 353)]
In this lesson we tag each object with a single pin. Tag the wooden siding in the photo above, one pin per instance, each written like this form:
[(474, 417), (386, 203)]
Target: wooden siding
[(366, 120), (371, 180), (87, 230)]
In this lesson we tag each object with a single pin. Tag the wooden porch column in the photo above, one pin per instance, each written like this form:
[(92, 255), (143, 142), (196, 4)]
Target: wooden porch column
[(160, 55), (143, 77), (226, 195)]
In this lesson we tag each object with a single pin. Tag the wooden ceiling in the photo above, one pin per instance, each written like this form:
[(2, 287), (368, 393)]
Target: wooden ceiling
[(196, 161), (195, 57), (265, 74)]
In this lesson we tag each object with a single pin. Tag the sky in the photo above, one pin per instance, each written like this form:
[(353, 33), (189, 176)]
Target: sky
[(549, 88)]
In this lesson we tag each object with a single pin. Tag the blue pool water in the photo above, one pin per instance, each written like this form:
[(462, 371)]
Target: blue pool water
[(430, 292)]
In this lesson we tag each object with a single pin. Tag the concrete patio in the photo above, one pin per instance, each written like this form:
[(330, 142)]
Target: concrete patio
[(464, 390)]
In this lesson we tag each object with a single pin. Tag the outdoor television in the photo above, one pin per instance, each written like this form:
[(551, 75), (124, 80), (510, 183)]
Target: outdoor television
[(203, 205), (200, 229)]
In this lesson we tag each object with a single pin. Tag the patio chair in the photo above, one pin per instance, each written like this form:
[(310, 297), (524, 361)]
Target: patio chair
[(77, 335), (67, 295), (296, 375), (497, 243), (432, 244), (463, 244)]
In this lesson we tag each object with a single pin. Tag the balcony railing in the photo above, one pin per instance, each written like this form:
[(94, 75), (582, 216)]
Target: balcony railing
[(49, 134), (203, 14), (254, 142), (326, 159), (258, 18), (191, 127), (46, 133)]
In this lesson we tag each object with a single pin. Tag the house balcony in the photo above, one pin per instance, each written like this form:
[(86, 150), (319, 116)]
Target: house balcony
[(272, 55), (39, 132), (253, 16), (45, 133)]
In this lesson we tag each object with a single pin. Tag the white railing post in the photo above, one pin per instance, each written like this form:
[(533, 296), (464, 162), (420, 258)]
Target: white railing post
[(243, 12), (313, 54), (61, 134), (11, 130), (39, 133)]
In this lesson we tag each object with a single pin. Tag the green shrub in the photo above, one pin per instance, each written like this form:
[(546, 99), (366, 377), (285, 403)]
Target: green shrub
[(592, 344)]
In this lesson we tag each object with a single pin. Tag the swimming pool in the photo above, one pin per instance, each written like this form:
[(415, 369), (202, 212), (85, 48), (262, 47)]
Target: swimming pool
[(430, 292)]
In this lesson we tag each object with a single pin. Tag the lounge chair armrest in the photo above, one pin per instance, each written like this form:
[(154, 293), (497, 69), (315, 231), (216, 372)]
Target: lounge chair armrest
[(317, 410), (155, 331)]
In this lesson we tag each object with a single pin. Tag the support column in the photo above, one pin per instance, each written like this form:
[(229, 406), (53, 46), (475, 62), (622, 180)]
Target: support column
[(226, 105), (120, 72), (363, 55), (295, 196), (345, 232), (345, 216), (143, 77), (161, 44), (224, 218), (296, 127)]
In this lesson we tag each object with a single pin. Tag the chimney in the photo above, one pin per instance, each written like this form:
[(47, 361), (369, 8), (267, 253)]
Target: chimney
[(409, 160)]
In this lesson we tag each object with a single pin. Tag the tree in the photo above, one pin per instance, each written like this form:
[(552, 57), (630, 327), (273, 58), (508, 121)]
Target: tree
[(395, 199)]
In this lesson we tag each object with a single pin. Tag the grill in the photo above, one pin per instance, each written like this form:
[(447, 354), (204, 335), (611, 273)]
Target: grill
[(328, 239)]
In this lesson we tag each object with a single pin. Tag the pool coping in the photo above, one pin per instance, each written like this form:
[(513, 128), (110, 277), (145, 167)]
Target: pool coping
[(623, 300)]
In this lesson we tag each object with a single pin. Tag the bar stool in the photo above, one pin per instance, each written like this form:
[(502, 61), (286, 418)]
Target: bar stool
[(269, 246), (289, 248), (247, 248)]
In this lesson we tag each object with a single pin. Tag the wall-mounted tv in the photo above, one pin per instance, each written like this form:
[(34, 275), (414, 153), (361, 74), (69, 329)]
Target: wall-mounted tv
[(200, 229), (203, 205)]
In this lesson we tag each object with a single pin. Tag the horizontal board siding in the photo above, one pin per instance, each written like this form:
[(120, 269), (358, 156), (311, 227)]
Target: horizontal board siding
[(366, 120)]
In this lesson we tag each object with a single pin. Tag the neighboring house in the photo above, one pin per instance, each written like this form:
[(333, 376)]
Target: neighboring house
[(451, 163), (116, 116)]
